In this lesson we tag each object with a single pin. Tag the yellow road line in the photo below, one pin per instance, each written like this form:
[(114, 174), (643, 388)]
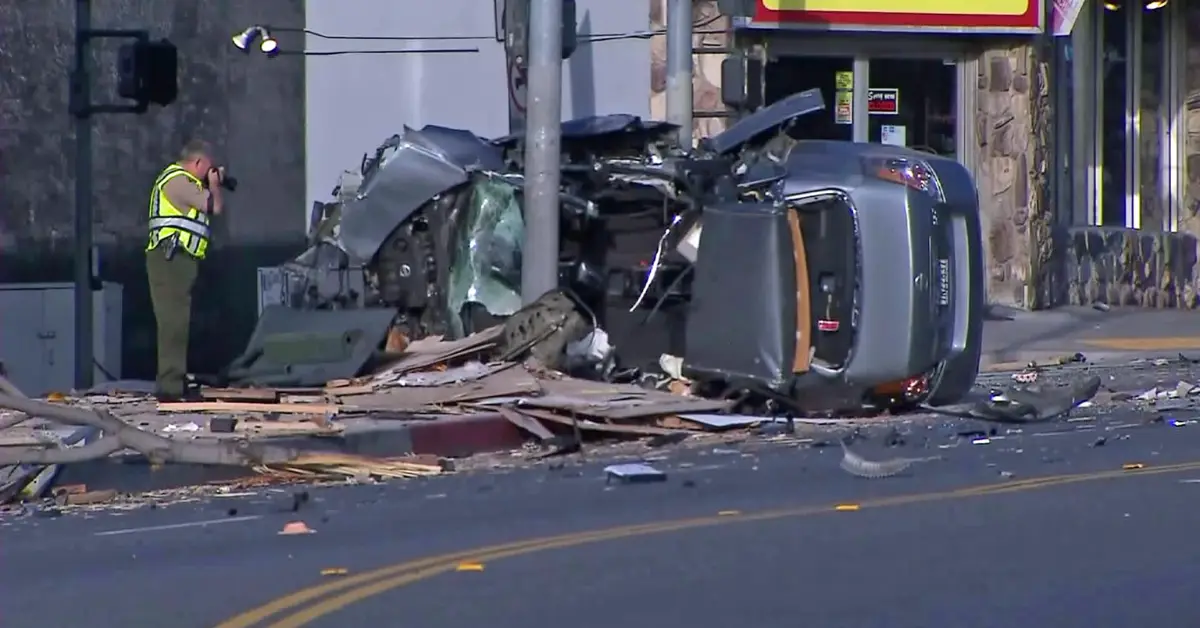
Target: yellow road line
[(378, 581), (1176, 343)]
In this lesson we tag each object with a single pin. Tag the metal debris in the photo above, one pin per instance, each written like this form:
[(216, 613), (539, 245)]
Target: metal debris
[(634, 472), (858, 466)]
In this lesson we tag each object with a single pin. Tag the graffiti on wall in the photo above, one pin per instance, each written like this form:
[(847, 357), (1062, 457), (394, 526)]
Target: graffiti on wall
[(710, 27)]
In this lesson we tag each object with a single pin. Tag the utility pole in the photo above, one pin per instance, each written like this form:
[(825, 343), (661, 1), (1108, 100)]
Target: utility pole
[(81, 96), (679, 68), (543, 141)]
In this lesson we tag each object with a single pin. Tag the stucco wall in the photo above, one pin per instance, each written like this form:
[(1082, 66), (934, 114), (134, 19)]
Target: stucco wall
[(250, 107)]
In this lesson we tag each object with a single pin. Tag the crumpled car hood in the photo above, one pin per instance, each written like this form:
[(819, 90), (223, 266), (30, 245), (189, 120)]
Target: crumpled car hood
[(422, 165), (770, 119)]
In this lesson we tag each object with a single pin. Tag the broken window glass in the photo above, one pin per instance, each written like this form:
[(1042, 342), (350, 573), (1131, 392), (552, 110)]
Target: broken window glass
[(487, 266)]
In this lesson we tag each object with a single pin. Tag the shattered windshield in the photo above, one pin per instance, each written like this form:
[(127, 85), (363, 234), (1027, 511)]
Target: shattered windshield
[(487, 251)]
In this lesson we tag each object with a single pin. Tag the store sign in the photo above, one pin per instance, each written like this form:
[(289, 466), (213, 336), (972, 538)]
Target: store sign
[(942, 16), (883, 102)]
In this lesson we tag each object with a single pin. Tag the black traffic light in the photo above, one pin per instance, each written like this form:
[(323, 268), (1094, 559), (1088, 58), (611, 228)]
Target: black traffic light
[(147, 72)]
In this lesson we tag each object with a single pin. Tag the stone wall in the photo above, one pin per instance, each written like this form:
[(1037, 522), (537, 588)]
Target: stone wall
[(1146, 268), (1127, 267), (1010, 172), (706, 67), (251, 108)]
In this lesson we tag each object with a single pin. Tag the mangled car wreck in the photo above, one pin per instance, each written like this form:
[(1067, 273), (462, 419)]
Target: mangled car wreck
[(810, 274)]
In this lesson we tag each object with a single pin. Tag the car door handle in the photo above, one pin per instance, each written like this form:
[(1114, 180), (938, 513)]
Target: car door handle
[(47, 335)]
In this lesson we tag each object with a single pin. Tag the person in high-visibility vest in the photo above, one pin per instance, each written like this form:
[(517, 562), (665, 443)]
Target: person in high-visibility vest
[(184, 197)]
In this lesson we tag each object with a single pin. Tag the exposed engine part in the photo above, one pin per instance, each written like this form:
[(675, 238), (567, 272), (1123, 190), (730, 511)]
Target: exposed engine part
[(544, 328)]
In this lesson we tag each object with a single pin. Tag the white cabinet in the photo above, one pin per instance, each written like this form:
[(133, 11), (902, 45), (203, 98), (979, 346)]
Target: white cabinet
[(37, 335)]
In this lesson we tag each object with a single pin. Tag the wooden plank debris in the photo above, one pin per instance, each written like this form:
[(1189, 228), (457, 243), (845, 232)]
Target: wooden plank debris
[(265, 395), (234, 406), (526, 422), (585, 424)]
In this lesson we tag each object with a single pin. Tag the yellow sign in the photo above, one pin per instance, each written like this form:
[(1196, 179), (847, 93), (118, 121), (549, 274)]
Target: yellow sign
[(844, 80), (931, 7), (843, 111)]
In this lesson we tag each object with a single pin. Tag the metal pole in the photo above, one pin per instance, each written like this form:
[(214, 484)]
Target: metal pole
[(539, 269), (679, 68), (83, 197)]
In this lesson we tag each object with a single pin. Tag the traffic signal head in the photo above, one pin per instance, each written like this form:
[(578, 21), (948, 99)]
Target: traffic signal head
[(147, 72)]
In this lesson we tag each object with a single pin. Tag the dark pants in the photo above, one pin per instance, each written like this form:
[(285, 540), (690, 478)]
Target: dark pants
[(171, 282)]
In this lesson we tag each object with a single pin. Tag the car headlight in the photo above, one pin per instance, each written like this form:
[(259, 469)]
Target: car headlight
[(913, 173)]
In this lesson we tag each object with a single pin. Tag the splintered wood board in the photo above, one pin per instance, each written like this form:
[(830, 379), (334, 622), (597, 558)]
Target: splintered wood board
[(235, 406), (281, 428), (268, 395)]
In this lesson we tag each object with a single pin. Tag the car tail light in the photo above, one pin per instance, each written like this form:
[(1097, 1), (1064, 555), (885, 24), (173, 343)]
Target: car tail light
[(913, 173)]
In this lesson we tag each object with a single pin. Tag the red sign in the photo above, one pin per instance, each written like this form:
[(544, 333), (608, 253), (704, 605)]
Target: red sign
[(883, 101), (981, 16)]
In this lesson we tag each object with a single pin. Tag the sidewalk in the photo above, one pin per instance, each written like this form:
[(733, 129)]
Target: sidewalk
[(1118, 335)]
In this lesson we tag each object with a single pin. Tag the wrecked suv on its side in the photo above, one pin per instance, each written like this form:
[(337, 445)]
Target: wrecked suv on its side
[(816, 273)]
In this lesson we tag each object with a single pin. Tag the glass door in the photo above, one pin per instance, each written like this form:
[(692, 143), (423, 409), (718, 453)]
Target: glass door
[(911, 102), (834, 76)]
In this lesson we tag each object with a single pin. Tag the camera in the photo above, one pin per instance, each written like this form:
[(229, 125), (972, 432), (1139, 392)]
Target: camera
[(228, 182)]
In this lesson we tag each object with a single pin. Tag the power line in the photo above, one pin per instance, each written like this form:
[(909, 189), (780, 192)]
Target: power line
[(337, 53)]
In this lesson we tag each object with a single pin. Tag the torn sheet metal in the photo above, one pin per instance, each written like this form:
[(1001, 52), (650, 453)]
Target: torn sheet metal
[(724, 421), (469, 372), (410, 169), (635, 472), (308, 348)]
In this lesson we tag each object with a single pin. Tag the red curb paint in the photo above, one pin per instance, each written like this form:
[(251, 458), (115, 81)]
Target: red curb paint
[(465, 436)]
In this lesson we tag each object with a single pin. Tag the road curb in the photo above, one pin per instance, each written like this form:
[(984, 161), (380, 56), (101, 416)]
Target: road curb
[(454, 437)]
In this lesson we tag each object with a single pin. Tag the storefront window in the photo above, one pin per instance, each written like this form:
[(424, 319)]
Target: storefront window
[(1191, 96), (1152, 119), (1114, 129)]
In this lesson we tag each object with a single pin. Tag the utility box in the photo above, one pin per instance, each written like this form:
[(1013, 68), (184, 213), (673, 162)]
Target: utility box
[(37, 335)]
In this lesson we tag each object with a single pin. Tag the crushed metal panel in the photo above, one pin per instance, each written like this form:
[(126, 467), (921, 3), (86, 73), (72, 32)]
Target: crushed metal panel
[(634, 472), (411, 176), (721, 421), (309, 347)]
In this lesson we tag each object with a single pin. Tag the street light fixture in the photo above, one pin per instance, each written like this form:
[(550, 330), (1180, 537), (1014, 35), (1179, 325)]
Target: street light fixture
[(267, 44)]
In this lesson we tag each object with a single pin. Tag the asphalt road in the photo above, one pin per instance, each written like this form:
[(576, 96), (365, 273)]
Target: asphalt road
[(765, 546)]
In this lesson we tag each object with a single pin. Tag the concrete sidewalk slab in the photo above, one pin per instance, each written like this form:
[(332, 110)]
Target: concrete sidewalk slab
[(1119, 334)]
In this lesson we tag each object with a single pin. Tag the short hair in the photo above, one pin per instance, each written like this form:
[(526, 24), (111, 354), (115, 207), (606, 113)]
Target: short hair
[(196, 149)]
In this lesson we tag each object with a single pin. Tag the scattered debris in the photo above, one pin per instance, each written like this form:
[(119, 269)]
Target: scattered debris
[(1101, 307), (296, 527), (335, 571), (469, 567), (1132, 466), (856, 465), (633, 473)]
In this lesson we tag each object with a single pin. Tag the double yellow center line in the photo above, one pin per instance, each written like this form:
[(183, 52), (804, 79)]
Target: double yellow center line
[(310, 604)]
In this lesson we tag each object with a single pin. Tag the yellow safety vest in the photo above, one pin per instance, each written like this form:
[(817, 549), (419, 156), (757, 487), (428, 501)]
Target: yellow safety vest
[(166, 221)]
